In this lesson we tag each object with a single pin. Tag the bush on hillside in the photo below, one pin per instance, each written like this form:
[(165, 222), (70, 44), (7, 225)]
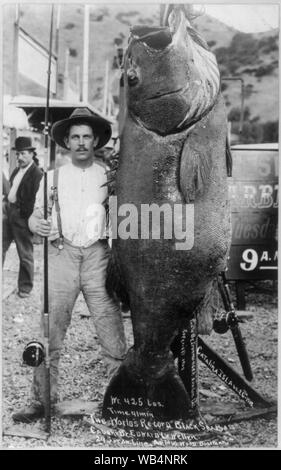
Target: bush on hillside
[(98, 15), (69, 26), (243, 50), (235, 113), (268, 44), (211, 43), (72, 52), (264, 70), (270, 131), (224, 86)]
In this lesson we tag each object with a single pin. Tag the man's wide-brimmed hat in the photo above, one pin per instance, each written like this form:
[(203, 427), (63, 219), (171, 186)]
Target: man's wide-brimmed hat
[(101, 127), (23, 143)]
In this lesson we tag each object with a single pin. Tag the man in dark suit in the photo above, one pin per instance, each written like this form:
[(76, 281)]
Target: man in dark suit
[(24, 183)]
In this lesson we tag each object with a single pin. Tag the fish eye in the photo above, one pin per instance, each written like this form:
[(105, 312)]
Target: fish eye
[(132, 77)]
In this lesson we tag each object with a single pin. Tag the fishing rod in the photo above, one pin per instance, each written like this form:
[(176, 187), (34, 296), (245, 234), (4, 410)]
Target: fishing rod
[(46, 317), (35, 352)]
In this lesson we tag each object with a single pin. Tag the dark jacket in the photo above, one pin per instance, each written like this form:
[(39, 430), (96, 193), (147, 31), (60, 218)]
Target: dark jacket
[(5, 187), (27, 189)]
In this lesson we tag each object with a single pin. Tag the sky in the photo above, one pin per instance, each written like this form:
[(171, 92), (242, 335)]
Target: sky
[(247, 18)]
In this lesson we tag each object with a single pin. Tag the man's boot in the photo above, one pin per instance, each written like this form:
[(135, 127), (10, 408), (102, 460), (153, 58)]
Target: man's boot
[(28, 414)]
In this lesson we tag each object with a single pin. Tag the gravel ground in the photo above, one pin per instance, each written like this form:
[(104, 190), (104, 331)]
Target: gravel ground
[(82, 373)]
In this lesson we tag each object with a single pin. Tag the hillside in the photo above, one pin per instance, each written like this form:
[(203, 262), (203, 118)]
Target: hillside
[(252, 57)]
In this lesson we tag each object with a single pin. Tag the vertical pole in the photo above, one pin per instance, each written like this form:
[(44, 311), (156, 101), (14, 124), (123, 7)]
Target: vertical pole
[(109, 106), (122, 106), (240, 295), (229, 125), (188, 364), (85, 86), (16, 52), (13, 131), (12, 153), (57, 30), (242, 107), (66, 75), (78, 82), (105, 93), (57, 42)]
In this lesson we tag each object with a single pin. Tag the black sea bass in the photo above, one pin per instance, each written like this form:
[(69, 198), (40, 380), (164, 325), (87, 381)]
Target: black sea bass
[(173, 160)]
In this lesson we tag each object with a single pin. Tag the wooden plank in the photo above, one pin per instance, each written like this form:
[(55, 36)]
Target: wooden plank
[(18, 431), (229, 376), (220, 409), (76, 407), (248, 415)]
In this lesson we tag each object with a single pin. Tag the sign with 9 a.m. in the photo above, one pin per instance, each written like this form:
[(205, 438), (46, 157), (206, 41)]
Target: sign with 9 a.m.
[(253, 194)]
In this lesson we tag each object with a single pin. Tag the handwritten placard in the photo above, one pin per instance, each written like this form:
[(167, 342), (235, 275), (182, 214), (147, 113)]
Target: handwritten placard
[(156, 433)]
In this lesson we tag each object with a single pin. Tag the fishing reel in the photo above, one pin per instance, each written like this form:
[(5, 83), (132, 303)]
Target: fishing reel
[(33, 354), (220, 323), (224, 321)]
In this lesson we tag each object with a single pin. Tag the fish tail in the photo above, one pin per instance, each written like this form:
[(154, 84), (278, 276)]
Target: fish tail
[(135, 393)]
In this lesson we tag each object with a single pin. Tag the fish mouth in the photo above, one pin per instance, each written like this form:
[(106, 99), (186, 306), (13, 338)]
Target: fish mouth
[(154, 38), (168, 93), (160, 39)]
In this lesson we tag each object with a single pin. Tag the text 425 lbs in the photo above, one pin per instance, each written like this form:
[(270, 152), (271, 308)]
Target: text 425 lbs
[(139, 401), (251, 259)]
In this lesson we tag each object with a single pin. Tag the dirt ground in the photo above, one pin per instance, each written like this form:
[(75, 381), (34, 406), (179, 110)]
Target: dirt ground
[(82, 372)]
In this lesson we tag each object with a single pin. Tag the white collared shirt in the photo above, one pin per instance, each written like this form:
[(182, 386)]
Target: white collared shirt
[(12, 196), (81, 197)]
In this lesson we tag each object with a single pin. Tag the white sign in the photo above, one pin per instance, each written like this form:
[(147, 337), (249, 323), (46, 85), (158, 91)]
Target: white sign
[(33, 61)]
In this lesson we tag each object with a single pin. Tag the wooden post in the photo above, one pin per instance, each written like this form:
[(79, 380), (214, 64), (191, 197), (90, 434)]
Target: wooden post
[(240, 295), (57, 44), (122, 106), (66, 75), (16, 53), (105, 93), (85, 87), (13, 131), (78, 82), (12, 153)]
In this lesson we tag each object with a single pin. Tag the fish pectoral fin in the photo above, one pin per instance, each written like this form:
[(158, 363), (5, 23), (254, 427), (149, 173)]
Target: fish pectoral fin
[(195, 169), (228, 158)]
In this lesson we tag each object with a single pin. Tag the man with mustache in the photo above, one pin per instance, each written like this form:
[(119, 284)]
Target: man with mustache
[(78, 249), (18, 207)]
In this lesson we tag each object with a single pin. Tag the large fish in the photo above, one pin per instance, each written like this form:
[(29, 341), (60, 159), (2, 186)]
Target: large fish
[(173, 152)]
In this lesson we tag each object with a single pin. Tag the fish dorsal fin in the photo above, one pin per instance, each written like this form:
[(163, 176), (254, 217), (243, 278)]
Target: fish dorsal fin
[(195, 167)]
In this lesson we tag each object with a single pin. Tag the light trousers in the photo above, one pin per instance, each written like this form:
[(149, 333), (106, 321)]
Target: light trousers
[(72, 270)]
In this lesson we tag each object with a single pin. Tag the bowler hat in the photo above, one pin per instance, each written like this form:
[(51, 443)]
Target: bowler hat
[(23, 143), (101, 127)]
